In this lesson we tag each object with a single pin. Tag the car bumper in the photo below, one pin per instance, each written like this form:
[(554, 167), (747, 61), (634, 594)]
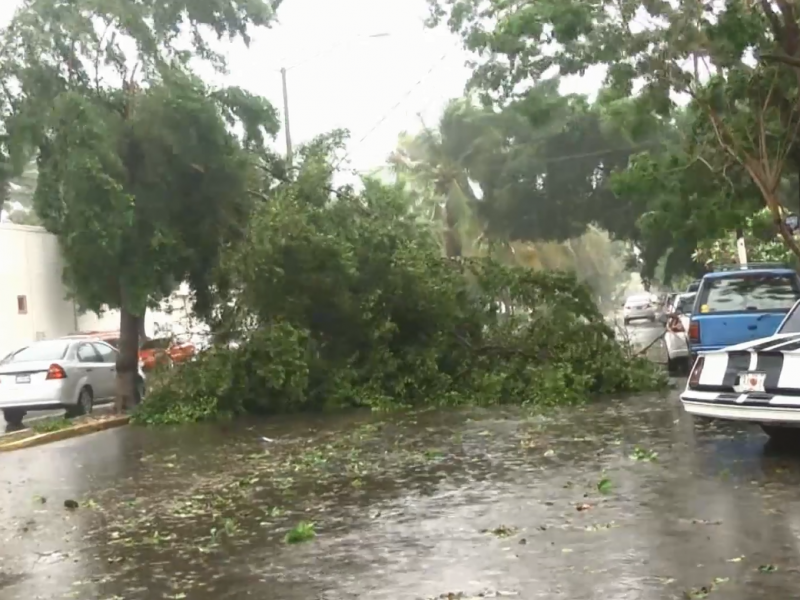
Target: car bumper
[(778, 409), (676, 345), (38, 395)]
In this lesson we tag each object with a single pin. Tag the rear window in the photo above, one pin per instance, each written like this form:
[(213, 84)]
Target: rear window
[(749, 293), (635, 300), (52, 350), (113, 342), (694, 286), (685, 304), (157, 344)]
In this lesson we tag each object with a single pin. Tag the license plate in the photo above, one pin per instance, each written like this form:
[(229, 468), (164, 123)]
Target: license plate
[(23, 378), (751, 382)]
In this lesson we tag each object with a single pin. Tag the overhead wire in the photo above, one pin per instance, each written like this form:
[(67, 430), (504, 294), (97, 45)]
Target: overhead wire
[(396, 105)]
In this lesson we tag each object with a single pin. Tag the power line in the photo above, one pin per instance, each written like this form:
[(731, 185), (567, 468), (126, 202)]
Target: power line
[(343, 44), (396, 105)]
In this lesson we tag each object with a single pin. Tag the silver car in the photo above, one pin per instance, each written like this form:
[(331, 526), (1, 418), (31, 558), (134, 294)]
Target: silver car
[(63, 373), (640, 306)]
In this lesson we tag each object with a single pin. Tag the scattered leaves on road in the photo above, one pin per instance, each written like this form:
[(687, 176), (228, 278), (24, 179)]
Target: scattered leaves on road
[(604, 485), (767, 568), (643, 455), (501, 531), (304, 531)]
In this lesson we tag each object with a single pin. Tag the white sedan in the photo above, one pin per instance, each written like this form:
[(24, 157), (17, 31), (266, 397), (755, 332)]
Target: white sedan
[(71, 373), (757, 381), (640, 306)]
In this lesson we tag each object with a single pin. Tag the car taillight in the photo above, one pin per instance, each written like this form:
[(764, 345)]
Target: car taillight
[(694, 332), (675, 325), (694, 378), (56, 372)]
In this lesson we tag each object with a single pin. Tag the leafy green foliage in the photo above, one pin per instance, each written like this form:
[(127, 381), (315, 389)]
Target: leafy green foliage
[(736, 141), (343, 299), (140, 173), (536, 171)]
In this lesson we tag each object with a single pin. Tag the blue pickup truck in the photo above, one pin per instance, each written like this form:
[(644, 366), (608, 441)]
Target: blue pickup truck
[(739, 304)]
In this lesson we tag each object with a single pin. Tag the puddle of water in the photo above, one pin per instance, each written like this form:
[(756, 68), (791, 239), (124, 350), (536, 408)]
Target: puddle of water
[(625, 499)]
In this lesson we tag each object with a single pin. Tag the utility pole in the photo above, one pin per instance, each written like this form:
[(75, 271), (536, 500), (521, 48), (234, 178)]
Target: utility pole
[(286, 118)]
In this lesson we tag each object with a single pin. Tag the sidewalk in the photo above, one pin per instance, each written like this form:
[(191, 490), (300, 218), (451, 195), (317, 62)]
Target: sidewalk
[(41, 415)]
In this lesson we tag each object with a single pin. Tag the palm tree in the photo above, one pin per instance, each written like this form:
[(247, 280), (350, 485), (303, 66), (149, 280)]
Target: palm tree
[(432, 165)]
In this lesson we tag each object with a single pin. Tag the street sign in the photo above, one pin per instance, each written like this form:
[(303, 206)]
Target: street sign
[(792, 222)]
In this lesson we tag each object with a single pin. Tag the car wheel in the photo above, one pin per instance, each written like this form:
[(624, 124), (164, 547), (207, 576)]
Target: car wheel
[(84, 406), (14, 416), (782, 435), (673, 366)]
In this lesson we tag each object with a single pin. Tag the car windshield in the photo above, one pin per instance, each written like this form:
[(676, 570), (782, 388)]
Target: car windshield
[(694, 286), (113, 342), (749, 293), (50, 350), (156, 344), (684, 304)]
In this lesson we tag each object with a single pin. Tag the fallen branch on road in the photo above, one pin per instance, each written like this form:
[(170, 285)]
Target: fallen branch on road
[(651, 344)]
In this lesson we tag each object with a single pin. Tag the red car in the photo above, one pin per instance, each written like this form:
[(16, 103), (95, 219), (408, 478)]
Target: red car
[(165, 351)]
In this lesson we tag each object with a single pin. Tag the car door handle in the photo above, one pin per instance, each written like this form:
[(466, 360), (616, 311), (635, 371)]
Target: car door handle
[(752, 327), (89, 370)]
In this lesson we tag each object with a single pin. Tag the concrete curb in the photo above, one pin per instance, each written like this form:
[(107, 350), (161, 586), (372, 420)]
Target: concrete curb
[(64, 434)]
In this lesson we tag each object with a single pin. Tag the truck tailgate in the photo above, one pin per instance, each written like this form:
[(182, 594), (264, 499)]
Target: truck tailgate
[(728, 329)]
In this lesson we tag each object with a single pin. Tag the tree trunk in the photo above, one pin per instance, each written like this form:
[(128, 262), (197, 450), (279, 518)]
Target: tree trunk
[(140, 328), (127, 361)]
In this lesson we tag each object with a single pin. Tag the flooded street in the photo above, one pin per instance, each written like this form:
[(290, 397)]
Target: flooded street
[(620, 499)]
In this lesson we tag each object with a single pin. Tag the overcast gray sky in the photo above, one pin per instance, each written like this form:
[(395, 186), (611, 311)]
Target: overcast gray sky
[(340, 78)]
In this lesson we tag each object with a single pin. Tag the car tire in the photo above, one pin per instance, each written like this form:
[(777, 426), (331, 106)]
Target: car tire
[(673, 366), (14, 416), (85, 404), (782, 435)]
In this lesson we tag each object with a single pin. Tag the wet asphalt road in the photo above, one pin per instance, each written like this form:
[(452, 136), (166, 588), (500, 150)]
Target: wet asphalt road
[(616, 500)]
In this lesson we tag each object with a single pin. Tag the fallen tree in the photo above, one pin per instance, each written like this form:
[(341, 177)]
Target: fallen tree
[(342, 299)]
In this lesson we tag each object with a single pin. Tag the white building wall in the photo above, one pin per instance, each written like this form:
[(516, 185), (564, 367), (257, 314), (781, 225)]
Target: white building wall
[(31, 268), (30, 275)]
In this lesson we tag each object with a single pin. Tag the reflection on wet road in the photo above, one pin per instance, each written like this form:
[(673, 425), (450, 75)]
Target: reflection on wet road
[(623, 499)]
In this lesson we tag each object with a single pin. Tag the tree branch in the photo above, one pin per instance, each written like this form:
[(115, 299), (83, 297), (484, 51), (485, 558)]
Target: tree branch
[(774, 21), (792, 61)]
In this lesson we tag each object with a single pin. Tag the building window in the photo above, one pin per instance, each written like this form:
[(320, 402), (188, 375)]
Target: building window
[(22, 305)]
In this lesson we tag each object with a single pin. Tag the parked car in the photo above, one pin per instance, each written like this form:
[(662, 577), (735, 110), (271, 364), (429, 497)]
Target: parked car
[(675, 335), (639, 306), (740, 304), (668, 307), (153, 352), (756, 381), (71, 373), (166, 351)]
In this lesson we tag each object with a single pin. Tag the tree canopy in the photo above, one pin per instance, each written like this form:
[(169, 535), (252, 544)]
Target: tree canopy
[(143, 170), (343, 298), (733, 63)]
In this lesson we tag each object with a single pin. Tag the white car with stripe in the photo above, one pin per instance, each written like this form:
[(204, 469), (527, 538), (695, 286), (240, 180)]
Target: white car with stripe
[(757, 381)]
